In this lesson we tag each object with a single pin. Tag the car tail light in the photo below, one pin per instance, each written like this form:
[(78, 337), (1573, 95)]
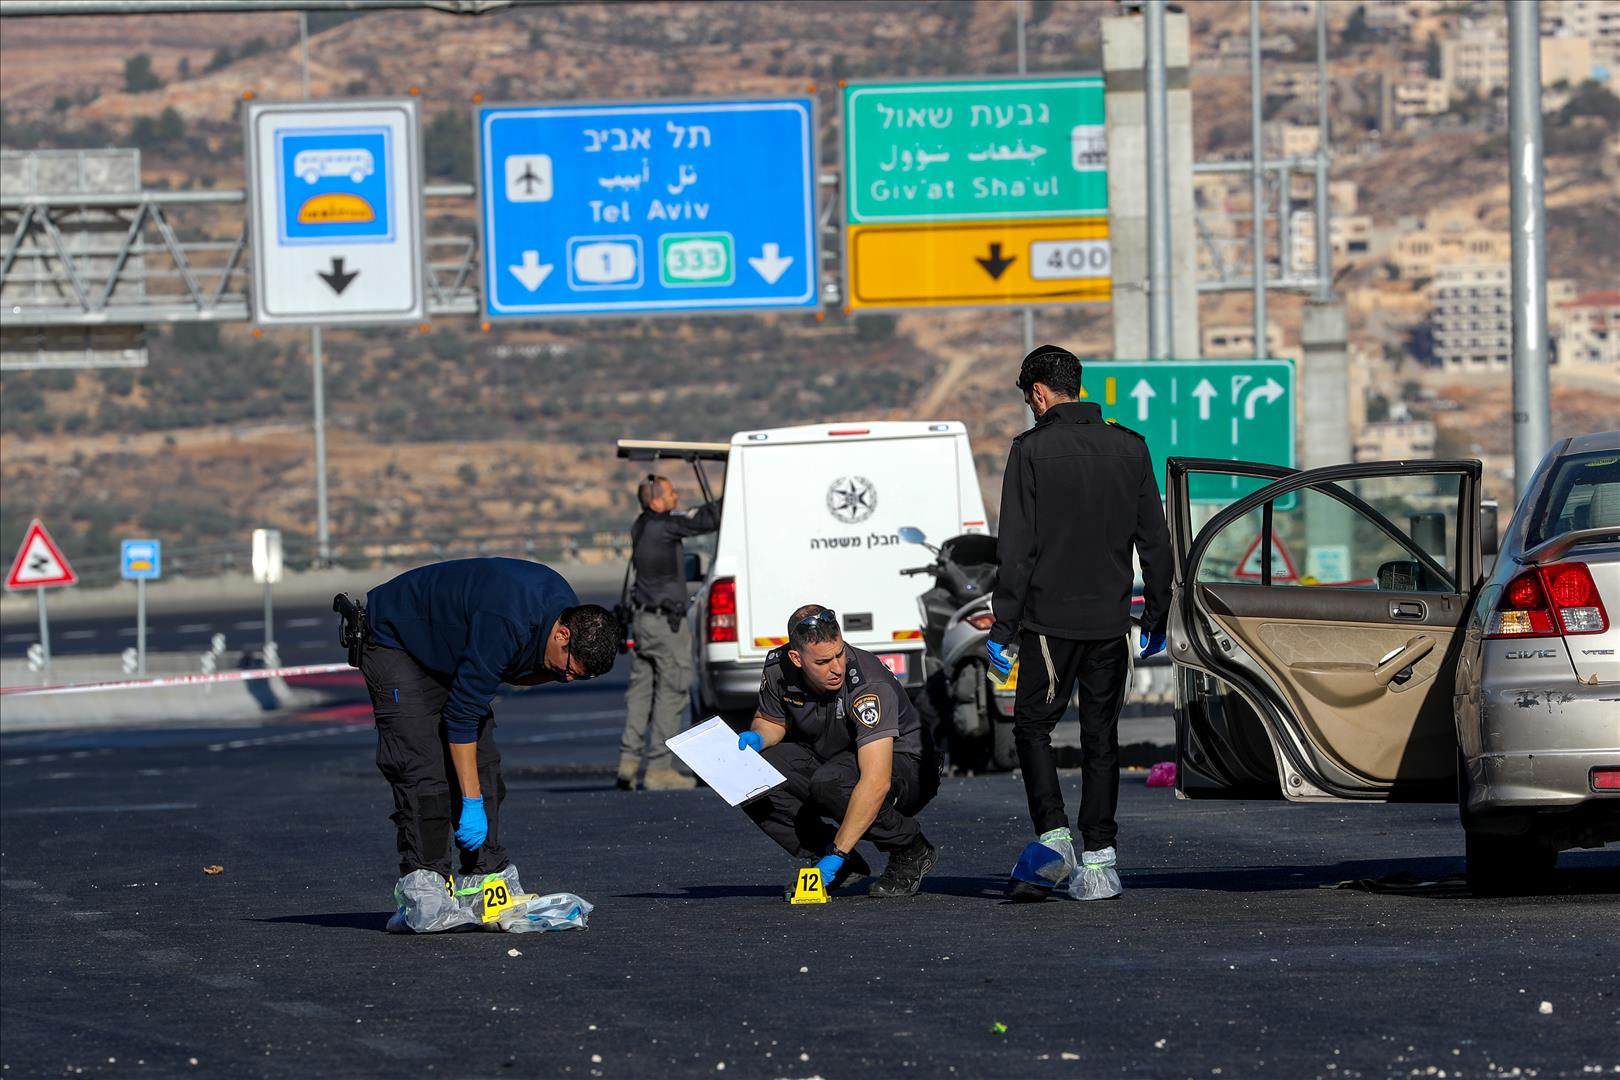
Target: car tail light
[(981, 621), (723, 610), (1575, 598), (1606, 779), (1542, 601)]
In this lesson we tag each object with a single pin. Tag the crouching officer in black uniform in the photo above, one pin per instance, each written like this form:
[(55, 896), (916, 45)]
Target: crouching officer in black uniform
[(436, 643), (837, 724), (1079, 494)]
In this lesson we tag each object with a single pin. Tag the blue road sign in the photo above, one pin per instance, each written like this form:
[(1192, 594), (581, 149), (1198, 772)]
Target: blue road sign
[(142, 560), (652, 208), (332, 186)]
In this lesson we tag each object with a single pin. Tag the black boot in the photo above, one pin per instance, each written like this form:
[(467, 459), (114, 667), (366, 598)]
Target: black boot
[(903, 876)]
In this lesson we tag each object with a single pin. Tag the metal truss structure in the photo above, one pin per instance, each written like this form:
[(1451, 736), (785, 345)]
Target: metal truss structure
[(148, 257), (1226, 236)]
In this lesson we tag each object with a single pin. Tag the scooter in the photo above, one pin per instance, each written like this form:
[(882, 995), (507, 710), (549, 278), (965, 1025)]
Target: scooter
[(972, 717)]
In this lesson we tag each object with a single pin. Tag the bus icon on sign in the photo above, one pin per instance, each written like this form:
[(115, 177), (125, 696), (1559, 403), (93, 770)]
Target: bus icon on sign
[(312, 165)]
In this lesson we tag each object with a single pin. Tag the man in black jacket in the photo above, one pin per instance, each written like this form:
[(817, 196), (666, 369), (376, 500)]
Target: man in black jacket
[(661, 672), (1078, 495)]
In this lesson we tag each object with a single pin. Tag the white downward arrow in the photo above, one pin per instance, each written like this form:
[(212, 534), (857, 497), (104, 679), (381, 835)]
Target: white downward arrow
[(1271, 390), (1203, 392), (532, 273), (1142, 392), (769, 264)]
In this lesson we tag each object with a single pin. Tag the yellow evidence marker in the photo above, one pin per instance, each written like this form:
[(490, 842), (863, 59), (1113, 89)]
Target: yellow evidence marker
[(808, 887)]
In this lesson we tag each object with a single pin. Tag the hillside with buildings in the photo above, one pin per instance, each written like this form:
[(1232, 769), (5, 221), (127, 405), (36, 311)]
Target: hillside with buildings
[(509, 431)]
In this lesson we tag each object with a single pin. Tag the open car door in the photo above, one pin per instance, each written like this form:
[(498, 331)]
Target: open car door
[(1315, 627)]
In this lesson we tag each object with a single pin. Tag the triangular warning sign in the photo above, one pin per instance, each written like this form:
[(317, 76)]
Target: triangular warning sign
[(39, 562), (1282, 566)]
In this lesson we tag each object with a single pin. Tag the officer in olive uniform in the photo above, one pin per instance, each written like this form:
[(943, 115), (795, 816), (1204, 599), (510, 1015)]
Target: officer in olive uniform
[(838, 725)]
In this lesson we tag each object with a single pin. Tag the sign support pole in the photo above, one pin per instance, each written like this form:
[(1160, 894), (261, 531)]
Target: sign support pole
[(1029, 312), (323, 536), (140, 626), (45, 634), (270, 658)]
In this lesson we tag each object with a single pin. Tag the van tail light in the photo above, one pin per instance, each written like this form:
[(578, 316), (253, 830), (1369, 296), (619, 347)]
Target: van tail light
[(723, 610), (1543, 601), (981, 621)]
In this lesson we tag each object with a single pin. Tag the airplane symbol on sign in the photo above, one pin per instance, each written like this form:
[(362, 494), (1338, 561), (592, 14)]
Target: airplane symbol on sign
[(528, 179)]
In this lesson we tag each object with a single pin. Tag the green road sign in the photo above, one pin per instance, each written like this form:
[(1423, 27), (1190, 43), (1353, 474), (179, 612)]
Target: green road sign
[(979, 150), (1242, 410)]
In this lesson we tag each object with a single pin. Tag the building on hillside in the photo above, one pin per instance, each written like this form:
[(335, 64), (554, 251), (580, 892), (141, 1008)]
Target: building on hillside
[(1419, 254), (1402, 437), (1394, 17), (1295, 140), (1588, 333), (1471, 318), (1293, 81), (1348, 234), (1475, 61), (1343, 196), (1413, 97), (1566, 60), (1234, 341), (1471, 314), (1595, 21)]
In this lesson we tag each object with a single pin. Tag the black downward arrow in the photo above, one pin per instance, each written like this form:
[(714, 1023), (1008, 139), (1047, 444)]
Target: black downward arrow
[(336, 277), (995, 265)]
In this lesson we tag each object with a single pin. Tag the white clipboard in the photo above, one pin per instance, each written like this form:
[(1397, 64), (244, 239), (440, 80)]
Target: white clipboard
[(710, 750)]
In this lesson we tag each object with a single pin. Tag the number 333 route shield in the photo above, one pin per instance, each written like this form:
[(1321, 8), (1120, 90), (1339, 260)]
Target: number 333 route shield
[(649, 208)]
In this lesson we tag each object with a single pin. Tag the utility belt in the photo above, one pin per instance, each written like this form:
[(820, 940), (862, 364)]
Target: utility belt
[(353, 633), (672, 613)]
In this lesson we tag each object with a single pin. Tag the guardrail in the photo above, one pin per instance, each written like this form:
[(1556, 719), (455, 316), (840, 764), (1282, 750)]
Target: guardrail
[(213, 560)]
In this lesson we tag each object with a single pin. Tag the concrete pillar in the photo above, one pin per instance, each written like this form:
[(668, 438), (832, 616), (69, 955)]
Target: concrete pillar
[(1325, 386), (1123, 54)]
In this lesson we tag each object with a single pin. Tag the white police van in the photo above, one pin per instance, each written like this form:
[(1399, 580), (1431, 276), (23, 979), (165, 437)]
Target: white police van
[(811, 515)]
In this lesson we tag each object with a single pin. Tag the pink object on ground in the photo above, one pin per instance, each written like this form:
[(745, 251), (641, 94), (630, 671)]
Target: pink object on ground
[(1162, 775)]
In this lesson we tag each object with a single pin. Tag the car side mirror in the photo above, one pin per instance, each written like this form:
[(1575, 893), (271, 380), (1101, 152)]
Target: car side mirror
[(692, 564), (912, 535), (1490, 535), (1401, 575)]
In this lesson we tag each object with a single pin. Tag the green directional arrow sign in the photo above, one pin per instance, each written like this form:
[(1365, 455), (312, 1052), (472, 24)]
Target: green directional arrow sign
[(975, 150), (1242, 410)]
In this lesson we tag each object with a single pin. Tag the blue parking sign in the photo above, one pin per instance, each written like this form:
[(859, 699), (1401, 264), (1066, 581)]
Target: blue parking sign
[(142, 560), (332, 186), (677, 207)]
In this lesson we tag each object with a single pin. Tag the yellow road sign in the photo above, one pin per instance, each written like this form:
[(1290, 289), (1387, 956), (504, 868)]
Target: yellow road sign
[(933, 264)]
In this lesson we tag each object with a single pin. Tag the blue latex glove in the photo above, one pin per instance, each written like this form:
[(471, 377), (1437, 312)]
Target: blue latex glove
[(751, 738), (1001, 660), (474, 827), (829, 867), (1151, 643)]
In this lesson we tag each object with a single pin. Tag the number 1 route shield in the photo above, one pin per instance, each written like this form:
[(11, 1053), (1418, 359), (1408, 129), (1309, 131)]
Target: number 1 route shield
[(654, 208)]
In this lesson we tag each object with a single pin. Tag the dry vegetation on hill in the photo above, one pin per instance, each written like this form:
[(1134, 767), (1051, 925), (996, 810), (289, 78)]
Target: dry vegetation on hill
[(465, 432)]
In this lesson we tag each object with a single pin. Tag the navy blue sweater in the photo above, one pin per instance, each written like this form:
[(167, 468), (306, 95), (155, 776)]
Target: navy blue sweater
[(476, 622)]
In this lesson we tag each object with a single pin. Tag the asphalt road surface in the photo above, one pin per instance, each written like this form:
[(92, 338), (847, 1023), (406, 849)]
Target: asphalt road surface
[(1230, 954)]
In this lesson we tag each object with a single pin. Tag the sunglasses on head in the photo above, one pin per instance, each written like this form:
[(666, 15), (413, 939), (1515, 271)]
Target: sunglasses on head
[(825, 617)]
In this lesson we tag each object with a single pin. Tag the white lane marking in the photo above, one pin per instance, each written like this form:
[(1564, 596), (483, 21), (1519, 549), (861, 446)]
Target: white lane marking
[(78, 635), (613, 714), (197, 628), (128, 631), (560, 736), (304, 622), (103, 752), (252, 624), (276, 740), (117, 808), (30, 636)]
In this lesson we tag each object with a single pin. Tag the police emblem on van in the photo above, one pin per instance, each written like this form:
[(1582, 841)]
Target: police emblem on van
[(867, 710), (852, 499)]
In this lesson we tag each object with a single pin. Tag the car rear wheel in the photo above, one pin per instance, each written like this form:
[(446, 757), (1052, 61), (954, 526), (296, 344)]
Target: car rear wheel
[(1507, 865)]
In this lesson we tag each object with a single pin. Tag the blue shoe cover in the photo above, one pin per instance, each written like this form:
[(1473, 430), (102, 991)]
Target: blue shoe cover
[(1045, 864)]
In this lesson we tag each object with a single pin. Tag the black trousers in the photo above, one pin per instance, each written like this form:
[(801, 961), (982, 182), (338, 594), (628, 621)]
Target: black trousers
[(413, 754), (792, 814), (1100, 668)]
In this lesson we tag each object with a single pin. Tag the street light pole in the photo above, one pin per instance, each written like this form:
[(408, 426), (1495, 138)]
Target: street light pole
[(1160, 326), (1532, 423)]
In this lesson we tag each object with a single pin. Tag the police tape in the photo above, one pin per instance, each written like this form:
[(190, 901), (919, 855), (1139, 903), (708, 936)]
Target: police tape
[(176, 680)]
